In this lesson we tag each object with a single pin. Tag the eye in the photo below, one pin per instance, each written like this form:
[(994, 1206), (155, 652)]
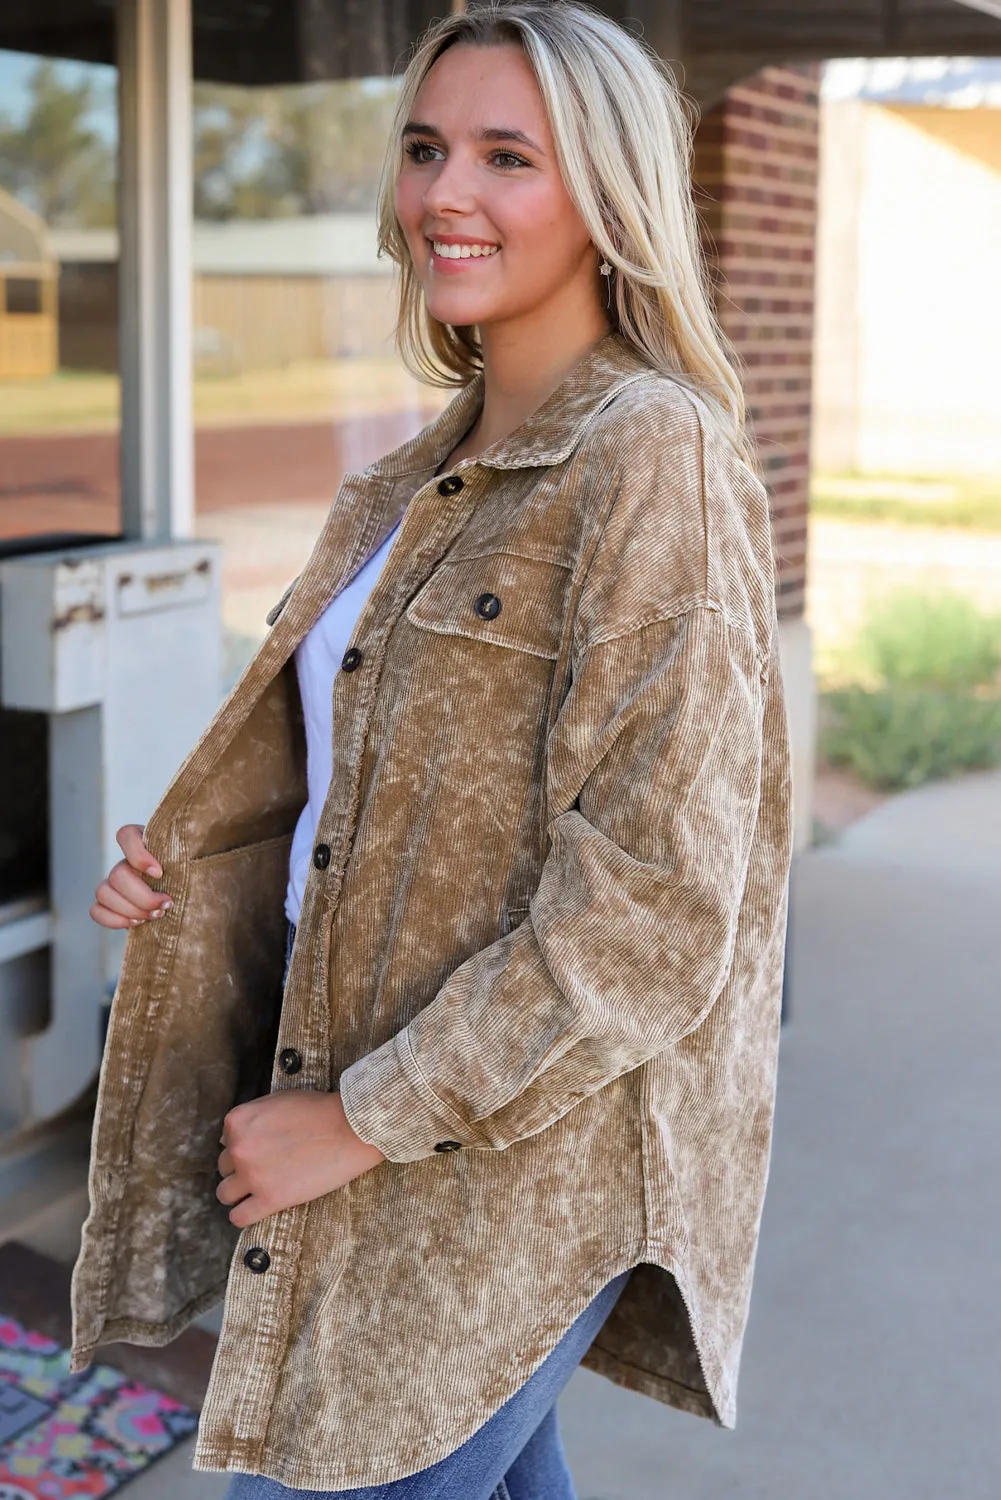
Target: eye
[(510, 160), (414, 150)]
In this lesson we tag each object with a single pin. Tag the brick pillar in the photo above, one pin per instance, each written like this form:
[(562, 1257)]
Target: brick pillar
[(756, 160), (756, 189)]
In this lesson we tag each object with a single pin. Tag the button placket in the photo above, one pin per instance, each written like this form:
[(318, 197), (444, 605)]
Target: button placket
[(262, 1301), (433, 528)]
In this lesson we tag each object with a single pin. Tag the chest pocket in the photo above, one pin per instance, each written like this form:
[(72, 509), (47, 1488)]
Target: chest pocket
[(500, 599)]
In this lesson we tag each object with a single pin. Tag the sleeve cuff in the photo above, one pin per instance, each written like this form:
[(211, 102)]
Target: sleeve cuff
[(389, 1104)]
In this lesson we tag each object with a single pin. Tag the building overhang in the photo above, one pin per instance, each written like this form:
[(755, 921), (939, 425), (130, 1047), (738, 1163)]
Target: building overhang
[(258, 42)]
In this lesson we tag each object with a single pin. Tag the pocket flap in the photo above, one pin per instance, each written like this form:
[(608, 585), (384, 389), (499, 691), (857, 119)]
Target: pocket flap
[(531, 594)]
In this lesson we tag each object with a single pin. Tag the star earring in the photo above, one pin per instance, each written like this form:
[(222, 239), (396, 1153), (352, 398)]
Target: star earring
[(606, 271)]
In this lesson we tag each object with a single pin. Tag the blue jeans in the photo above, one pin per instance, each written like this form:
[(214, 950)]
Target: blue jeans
[(515, 1455)]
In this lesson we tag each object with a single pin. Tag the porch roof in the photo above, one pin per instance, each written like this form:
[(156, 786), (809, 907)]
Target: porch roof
[(718, 41)]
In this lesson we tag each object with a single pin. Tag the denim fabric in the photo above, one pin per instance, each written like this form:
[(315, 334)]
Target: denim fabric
[(516, 1455)]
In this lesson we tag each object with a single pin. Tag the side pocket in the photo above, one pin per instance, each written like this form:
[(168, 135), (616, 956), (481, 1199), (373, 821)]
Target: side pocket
[(514, 916)]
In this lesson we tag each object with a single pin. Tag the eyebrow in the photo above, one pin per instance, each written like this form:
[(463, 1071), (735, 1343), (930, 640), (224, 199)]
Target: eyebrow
[(492, 133)]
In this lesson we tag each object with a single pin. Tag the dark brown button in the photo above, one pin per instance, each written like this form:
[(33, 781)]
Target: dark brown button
[(451, 485), (321, 856), (351, 659), (289, 1060), (257, 1260), (488, 605), (449, 1146)]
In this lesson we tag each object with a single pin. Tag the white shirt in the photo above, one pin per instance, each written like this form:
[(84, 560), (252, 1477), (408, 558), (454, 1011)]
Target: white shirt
[(317, 661)]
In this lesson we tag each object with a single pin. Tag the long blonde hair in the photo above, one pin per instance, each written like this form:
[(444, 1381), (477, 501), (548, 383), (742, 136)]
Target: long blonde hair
[(623, 136)]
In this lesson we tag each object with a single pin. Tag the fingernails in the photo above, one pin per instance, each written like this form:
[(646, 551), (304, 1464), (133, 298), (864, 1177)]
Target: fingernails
[(167, 905)]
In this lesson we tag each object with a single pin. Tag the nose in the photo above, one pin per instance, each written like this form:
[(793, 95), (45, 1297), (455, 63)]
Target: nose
[(451, 189)]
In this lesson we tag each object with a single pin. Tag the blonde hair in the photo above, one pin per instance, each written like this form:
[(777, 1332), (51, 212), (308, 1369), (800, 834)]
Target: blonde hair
[(623, 139)]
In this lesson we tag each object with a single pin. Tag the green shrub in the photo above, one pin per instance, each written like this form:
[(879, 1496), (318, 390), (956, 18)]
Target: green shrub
[(940, 642), (899, 737), (926, 702)]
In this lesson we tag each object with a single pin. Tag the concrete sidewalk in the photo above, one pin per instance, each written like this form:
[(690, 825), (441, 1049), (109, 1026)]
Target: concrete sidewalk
[(871, 1366)]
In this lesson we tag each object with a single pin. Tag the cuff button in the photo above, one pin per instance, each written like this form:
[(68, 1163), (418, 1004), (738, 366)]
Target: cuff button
[(449, 1146), (257, 1260)]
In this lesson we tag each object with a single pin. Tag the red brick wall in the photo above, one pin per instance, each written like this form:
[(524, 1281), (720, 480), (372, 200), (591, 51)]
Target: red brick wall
[(756, 190)]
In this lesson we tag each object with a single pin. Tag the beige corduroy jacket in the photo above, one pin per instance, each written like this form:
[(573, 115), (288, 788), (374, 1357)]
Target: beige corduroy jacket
[(540, 951)]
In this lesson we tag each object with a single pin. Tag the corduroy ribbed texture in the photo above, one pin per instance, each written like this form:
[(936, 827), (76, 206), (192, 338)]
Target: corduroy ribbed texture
[(551, 930)]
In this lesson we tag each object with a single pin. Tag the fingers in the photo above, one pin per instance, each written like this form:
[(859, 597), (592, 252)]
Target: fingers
[(124, 899), (105, 918), (131, 888), (130, 841), (131, 905), (232, 1190), (234, 1194), (247, 1212)]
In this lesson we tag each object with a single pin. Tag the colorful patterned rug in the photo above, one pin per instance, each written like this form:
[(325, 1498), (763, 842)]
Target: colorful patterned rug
[(63, 1435)]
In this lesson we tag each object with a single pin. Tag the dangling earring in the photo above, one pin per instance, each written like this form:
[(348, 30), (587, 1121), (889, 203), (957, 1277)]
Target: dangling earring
[(606, 271)]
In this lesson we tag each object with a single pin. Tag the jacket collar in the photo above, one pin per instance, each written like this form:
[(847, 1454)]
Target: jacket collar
[(548, 436)]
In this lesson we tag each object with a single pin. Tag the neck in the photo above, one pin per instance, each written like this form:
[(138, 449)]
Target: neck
[(523, 363)]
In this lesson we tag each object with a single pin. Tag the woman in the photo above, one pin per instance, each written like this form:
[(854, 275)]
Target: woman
[(526, 794)]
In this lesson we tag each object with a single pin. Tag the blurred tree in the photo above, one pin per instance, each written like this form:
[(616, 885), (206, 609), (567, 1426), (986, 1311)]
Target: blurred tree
[(54, 160), (257, 153), (274, 153), (229, 134)]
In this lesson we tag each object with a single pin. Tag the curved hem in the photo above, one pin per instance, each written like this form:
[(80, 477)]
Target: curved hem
[(387, 1468)]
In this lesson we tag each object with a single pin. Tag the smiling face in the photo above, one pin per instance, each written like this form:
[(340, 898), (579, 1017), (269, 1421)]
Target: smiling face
[(493, 233)]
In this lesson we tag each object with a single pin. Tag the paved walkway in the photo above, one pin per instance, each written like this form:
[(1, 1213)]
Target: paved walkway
[(871, 1363)]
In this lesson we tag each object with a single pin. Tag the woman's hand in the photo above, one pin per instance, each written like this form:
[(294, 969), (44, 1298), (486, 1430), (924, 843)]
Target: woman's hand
[(287, 1148), (124, 899)]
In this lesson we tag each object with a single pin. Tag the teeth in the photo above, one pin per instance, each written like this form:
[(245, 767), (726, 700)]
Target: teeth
[(462, 252)]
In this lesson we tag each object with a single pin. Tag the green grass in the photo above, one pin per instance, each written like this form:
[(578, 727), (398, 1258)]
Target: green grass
[(964, 504), (918, 695)]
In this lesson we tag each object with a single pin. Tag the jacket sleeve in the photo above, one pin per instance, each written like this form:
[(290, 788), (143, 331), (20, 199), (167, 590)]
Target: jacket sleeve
[(630, 934), (629, 938)]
